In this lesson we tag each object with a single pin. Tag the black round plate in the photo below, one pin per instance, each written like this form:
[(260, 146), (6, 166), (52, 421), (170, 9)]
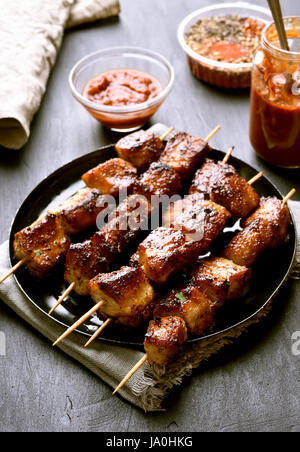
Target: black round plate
[(269, 272)]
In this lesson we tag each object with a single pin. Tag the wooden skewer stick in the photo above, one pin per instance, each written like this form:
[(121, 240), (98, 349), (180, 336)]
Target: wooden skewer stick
[(212, 134), (255, 178), (164, 136), (79, 322), (98, 332), (13, 270), (227, 156), (129, 375), (64, 295), (289, 195)]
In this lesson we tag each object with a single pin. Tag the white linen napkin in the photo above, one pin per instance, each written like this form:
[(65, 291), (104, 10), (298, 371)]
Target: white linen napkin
[(149, 387), (31, 33)]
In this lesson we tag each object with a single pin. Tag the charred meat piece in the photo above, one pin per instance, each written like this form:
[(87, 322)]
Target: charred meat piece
[(221, 279), (265, 229), (42, 245), (164, 339), (184, 153), (207, 175), (79, 212), (200, 220), (277, 214), (192, 305), (126, 222), (165, 252), (140, 149), (248, 244), (234, 193), (126, 292), (158, 180), (85, 260), (223, 185), (111, 177)]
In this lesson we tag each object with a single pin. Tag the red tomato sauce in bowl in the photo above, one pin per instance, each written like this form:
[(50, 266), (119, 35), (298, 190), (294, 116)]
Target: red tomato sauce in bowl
[(122, 87)]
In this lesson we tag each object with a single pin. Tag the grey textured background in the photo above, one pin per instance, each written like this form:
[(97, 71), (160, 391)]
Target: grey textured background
[(251, 386)]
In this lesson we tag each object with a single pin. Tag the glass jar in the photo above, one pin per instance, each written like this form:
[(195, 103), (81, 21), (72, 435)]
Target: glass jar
[(275, 97)]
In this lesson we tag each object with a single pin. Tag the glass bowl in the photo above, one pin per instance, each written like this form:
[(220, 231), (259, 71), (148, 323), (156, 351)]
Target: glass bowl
[(124, 118), (221, 74)]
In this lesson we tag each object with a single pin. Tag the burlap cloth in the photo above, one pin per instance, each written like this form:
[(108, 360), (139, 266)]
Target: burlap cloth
[(31, 33), (148, 388)]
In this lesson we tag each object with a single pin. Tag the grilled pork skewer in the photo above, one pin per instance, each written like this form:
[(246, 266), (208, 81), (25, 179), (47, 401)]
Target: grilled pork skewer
[(160, 179), (157, 181), (265, 229), (75, 215), (115, 175), (221, 183), (208, 289)]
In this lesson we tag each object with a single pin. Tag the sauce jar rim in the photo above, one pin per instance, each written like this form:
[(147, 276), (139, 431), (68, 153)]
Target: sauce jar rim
[(277, 51)]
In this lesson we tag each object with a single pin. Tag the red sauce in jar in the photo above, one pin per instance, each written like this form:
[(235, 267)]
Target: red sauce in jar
[(275, 131), (275, 98), (122, 87)]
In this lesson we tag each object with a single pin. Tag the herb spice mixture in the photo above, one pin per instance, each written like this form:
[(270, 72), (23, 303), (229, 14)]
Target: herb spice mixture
[(230, 38)]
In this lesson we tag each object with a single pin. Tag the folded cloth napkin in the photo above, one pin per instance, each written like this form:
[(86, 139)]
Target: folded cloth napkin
[(31, 33), (148, 388)]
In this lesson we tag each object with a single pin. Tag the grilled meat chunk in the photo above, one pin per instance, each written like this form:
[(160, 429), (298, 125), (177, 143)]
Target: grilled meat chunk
[(248, 244), (126, 222), (159, 179), (200, 220), (85, 260), (222, 184), (265, 229), (277, 214), (234, 193), (79, 212), (42, 245), (207, 175), (191, 304), (164, 339), (140, 149), (221, 279), (184, 153), (126, 292), (111, 177), (165, 252)]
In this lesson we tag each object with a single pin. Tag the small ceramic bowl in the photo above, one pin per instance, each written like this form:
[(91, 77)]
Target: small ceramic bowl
[(124, 118)]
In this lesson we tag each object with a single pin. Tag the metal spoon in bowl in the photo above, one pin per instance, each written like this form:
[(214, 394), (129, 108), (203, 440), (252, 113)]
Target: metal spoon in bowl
[(277, 16)]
